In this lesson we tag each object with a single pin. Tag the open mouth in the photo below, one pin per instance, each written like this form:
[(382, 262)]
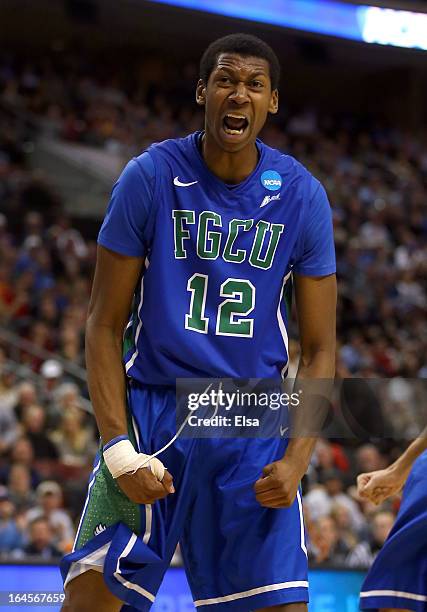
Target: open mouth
[(234, 124)]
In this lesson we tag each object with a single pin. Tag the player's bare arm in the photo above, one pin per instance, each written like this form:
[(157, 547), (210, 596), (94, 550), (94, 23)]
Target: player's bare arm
[(316, 307), (379, 485), (114, 283)]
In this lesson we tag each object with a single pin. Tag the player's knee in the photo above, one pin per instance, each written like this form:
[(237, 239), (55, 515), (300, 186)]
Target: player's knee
[(89, 592)]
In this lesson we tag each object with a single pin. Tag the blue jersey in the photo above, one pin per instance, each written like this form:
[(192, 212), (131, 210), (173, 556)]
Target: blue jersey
[(211, 301), (398, 576)]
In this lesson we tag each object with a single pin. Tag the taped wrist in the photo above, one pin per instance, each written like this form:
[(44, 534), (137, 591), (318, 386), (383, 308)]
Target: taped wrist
[(121, 458)]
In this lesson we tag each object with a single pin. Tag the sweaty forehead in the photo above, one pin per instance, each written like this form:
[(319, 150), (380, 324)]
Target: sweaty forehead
[(242, 63)]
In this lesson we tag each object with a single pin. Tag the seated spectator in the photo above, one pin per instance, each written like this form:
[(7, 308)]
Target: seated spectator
[(67, 396), (326, 545), (52, 372), (363, 555), (19, 484), (343, 520), (334, 486), (21, 452), (26, 396), (74, 440), (11, 536), (8, 396), (369, 459), (41, 540), (49, 505), (33, 425)]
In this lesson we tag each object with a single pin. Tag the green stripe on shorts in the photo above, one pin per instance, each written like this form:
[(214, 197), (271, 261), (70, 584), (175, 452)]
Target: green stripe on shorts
[(108, 504)]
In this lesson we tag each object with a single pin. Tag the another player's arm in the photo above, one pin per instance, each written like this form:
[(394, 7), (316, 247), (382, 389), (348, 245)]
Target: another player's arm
[(114, 283), (379, 485), (316, 299)]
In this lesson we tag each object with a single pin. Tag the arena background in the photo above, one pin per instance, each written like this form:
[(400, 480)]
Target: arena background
[(87, 84)]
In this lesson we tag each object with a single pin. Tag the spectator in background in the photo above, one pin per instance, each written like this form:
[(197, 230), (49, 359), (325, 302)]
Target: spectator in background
[(326, 545), (41, 540), (11, 536), (8, 422), (344, 523), (67, 396), (26, 396), (19, 484), (369, 459), (34, 428), (321, 499), (365, 552), (74, 440), (49, 506), (22, 453), (52, 372)]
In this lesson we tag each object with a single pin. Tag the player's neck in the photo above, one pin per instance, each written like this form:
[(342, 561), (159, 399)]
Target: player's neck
[(232, 168)]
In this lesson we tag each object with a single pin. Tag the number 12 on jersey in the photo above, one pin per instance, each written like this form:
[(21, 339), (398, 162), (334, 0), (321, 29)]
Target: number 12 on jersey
[(231, 318)]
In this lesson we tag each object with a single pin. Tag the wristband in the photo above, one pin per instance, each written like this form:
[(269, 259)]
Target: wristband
[(121, 458)]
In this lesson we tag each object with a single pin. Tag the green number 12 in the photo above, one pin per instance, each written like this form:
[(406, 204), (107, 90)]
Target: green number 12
[(232, 312)]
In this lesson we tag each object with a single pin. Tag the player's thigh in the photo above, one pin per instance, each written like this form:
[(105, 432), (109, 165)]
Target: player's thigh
[(88, 592), (292, 607), (394, 610)]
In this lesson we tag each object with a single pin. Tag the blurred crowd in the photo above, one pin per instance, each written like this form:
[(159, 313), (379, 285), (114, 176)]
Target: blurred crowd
[(376, 179)]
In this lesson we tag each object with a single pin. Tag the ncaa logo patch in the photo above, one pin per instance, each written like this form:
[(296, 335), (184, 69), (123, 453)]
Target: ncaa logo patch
[(271, 180)]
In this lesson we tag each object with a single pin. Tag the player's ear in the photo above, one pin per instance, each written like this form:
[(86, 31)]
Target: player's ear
[(274, 102), (201, 93)]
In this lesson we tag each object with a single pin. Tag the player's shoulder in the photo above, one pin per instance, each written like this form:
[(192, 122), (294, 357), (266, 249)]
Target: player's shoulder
[(172, 146), (287, 164)]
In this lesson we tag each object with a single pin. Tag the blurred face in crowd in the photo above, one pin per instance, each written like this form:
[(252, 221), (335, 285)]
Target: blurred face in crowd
[(6, 509), (22, 452), (72, 420), (40, 534), (333, 486), (19, 479), (342, 517), (34, 419), (369, 458), (237, 99), (327, 530), (324, 454), (381, 526), (27, 394), (51, 501)]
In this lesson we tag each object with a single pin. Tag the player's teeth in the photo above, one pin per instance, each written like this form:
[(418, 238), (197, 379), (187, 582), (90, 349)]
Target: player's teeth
[(230, 131)]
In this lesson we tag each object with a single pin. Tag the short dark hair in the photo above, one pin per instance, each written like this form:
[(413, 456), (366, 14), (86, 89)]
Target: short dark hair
[(241, 44)]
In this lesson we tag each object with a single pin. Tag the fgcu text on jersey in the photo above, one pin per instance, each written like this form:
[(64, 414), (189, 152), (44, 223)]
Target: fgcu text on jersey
[(212, 299)]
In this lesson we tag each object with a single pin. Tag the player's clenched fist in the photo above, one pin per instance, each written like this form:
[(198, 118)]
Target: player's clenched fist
[(278, 486), (378, 486), (142, 487)]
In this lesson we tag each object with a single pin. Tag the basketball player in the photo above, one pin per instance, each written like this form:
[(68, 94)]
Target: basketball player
[(398, 577), (199, 243)]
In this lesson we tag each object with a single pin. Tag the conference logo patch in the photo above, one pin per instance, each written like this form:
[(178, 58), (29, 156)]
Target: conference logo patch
[(271, 180)]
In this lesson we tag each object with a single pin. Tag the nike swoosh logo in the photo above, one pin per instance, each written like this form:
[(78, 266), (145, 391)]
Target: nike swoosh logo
[(283, 430), (178, 183)]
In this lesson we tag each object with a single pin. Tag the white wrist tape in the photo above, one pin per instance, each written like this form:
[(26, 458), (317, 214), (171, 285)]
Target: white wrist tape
[(121, 458)]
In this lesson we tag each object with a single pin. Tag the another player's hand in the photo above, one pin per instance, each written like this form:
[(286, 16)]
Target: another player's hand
[(278, 486), (378, 486), (142, 487)]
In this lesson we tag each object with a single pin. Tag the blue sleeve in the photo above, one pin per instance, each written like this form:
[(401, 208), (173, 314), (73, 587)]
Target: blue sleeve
[(123, 229), (317, 255)]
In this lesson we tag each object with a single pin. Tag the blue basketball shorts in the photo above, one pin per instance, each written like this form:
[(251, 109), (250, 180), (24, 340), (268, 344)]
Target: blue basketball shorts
[(398, 577), (238, 556)]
